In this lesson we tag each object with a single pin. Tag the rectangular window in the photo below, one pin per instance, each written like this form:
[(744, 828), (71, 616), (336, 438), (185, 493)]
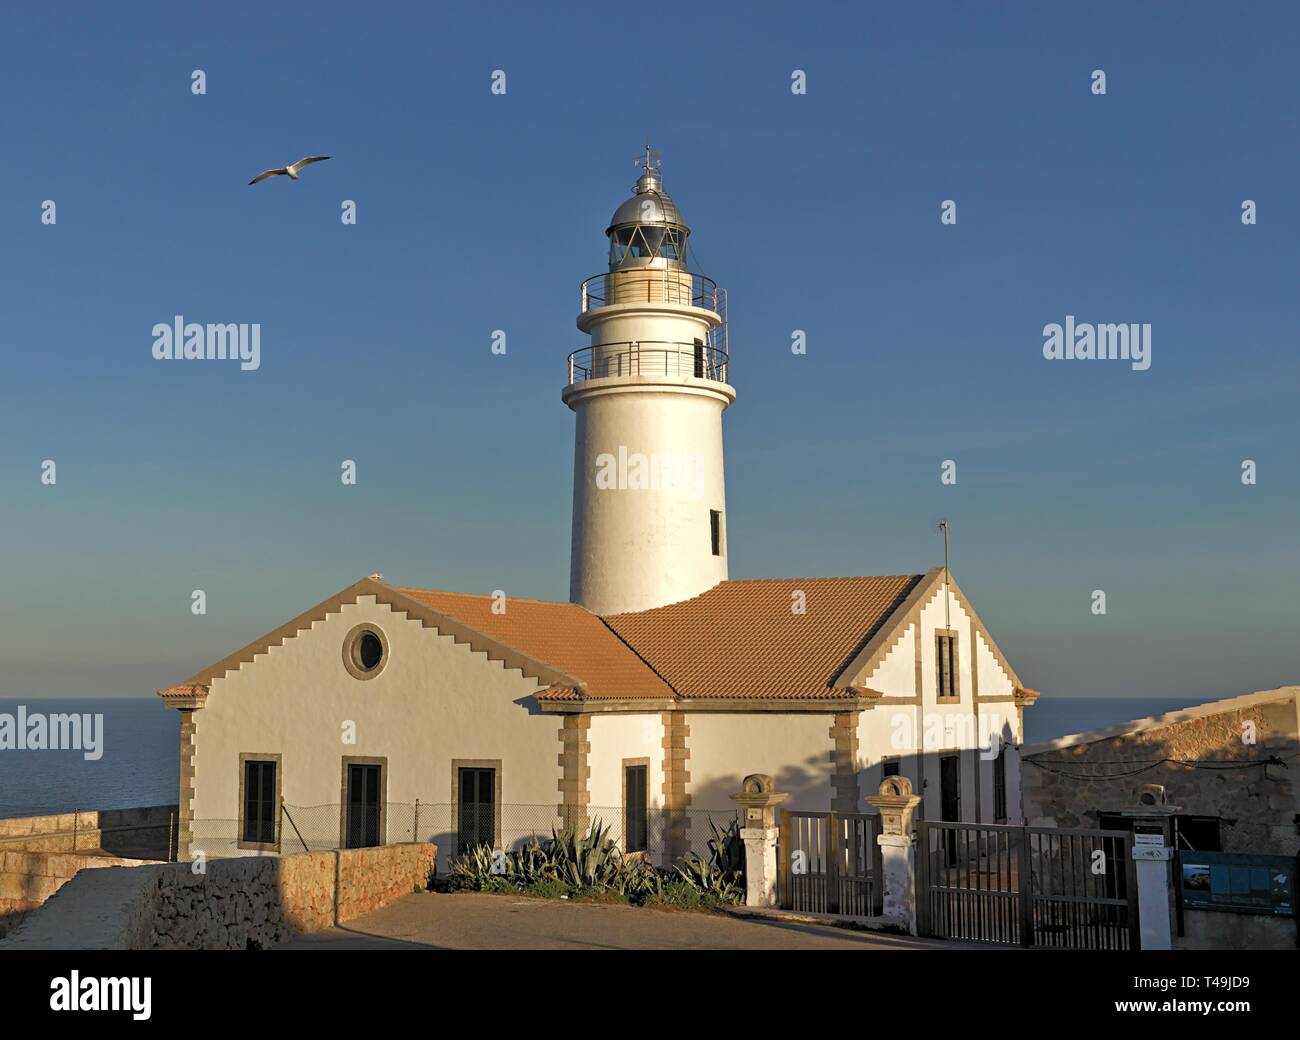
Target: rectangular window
[(260, 808), (946, 664), (363, 826), (476, 809), (715, 530), (699, 359), (1000, 785), (635, 812), (1197, 833)]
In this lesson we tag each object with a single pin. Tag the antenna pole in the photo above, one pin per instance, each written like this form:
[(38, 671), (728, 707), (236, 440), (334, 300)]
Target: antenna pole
[(943, 526)]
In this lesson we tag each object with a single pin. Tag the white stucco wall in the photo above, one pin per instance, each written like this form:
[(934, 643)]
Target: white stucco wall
[(435, 701), (919, 735), (636, 548), (614, 738), (794, 749)]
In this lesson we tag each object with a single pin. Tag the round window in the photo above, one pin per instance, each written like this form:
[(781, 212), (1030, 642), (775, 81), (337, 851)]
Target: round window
[(365, 651)]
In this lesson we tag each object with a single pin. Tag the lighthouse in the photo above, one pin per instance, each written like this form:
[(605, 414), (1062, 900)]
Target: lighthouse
[(648, 393)]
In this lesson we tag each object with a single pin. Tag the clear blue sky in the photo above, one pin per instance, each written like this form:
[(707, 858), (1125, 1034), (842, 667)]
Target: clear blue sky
[(479, 212)]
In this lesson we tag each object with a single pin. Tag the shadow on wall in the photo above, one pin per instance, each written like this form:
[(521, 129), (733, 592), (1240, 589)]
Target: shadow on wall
[(809, 787), (807, 784), (147, 833)]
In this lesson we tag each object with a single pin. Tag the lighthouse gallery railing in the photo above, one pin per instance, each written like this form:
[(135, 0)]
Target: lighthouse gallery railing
[(648, 358), (659, 285)]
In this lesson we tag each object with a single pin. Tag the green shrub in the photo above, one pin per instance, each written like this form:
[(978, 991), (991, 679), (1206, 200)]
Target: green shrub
[(547, 888), (594, 894), (677, 893)]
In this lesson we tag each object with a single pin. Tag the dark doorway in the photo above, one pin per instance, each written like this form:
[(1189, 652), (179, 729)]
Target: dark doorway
[(476, 818), (950, 801), (364, 806)]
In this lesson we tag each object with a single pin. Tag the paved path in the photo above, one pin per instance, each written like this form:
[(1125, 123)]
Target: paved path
[(471, 921)]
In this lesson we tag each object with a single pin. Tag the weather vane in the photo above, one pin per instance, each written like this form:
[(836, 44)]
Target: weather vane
[(652, 160)]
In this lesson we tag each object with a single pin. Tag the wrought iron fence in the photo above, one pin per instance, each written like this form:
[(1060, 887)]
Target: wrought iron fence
[(322, 828), (1036, 886)]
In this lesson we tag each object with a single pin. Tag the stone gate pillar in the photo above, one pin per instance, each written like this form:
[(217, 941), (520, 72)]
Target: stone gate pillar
[(1152, 850), (759, 797), (897, 840)]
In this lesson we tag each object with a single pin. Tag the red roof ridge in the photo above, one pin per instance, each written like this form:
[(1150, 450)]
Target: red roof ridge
[(488, 595)]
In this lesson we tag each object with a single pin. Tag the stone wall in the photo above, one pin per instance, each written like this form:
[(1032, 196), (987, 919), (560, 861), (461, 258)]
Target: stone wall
[(28, 879), (147, 832), (1217, 930), (1067, 785), (235, 904)]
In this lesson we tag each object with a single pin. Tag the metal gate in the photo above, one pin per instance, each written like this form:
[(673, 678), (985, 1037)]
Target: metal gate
[(1035, 886), (830, 863)]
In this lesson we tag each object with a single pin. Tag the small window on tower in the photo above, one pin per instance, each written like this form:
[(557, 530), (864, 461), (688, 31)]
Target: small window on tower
[(715, 530), (946, 665)]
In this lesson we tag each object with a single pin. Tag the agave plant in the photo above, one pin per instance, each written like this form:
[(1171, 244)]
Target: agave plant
[(590, 860), (640, 880), (478, 869), (722, 874)]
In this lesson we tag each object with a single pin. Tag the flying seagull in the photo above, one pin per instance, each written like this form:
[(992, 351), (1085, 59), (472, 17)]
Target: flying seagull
[(291, 171)]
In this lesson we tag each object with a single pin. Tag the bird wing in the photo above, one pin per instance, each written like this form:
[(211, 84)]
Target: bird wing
[(310, 159), (268, 173)]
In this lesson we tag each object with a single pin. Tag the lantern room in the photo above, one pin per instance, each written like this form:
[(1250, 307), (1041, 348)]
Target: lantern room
[(647, 230)]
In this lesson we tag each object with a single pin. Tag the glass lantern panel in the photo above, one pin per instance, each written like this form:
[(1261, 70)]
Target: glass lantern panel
[(652, 237), (619, 241)]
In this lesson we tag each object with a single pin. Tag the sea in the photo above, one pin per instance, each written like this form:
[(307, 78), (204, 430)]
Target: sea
[(139, 764), (141, 739)]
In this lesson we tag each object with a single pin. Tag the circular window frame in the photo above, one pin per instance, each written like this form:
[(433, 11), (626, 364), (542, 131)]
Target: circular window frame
[(352, 642)]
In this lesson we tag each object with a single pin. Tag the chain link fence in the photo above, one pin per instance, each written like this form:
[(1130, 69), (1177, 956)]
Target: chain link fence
[(322, 828)]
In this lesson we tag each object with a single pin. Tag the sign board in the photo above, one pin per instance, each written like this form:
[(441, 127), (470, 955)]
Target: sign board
[(1238, 882), (1156, 840)]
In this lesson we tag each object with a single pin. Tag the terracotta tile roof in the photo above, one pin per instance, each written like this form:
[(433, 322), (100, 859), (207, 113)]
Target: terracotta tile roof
[(184, 691), (563, 635), (741, 639)]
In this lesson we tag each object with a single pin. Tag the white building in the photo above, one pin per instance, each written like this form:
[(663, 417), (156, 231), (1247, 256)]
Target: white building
[(388, 712)]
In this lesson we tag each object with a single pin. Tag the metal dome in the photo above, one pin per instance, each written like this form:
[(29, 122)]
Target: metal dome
[(648, 205)]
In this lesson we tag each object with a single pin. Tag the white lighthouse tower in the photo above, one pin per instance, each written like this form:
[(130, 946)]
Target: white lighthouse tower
[(649, 505)]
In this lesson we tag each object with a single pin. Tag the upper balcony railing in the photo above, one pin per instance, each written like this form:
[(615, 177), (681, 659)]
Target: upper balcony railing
[(658, 285), (646, 358), (654, 285)]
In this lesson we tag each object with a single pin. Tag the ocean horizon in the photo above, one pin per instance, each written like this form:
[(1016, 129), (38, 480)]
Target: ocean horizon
[(140, 766)]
